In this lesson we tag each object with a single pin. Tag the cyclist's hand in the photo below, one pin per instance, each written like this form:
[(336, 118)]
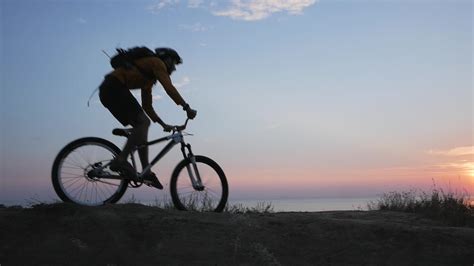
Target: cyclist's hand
[(190, 112), (167, 128)]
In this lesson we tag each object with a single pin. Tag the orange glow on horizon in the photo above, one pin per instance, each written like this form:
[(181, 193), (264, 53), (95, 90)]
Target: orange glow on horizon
[(470, 170), (456, 178)]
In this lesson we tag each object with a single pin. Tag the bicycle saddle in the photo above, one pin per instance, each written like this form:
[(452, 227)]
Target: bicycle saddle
[(124, 132)]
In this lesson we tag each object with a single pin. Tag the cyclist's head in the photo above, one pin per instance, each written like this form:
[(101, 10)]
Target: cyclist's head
[(170, 57)]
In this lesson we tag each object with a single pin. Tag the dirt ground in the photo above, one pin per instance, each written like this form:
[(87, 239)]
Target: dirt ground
[(132, 234)]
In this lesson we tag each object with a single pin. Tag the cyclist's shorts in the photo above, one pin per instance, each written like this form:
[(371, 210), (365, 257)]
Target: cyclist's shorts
[(119, 100)]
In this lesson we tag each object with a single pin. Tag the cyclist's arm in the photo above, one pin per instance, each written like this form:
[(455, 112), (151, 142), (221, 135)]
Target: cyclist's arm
[(147, 100), (163, 77)]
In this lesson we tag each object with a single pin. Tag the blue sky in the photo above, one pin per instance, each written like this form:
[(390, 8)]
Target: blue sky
[(294, 98)]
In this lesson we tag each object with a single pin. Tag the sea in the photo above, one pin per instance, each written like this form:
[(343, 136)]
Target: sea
[(275, 205), (306, 204)]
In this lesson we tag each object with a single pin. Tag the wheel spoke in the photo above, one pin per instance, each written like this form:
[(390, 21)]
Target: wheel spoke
[(81, 190), (101, 191), (70, 178), (75, 167), (74, 181), (78, 158), (83, 158), (73, 174), (108, 183), (74, 164), (212, 192)]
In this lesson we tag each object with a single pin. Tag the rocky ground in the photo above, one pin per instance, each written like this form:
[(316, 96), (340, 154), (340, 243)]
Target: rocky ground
[(133, 234)]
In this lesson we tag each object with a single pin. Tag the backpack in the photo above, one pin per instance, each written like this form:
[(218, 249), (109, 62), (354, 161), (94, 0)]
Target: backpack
[(126, 59)]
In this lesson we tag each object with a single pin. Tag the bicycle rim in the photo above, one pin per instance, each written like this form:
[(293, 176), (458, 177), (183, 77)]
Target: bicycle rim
[(70, 176), (212, 197)]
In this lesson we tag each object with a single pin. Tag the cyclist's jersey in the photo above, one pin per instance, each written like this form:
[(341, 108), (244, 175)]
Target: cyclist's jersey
[(133, 79)]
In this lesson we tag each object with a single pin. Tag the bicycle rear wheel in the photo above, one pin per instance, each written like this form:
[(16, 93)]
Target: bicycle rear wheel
[(211, 197), (71, 176)]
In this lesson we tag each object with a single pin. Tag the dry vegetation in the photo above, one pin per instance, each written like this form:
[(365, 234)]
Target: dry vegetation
[(452, 208)]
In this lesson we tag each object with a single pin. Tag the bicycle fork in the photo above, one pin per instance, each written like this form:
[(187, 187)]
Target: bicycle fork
[(192, 171)]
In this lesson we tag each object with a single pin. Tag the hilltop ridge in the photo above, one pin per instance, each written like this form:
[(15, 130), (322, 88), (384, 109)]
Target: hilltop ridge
[(134, 234)]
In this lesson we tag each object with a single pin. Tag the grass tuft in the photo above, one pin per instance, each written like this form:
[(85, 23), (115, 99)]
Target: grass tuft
[(452, 208), (164, 203), (261, 207)]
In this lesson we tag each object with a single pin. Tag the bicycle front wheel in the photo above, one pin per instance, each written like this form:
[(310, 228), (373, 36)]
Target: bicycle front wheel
[(212, 196), (71, 176)]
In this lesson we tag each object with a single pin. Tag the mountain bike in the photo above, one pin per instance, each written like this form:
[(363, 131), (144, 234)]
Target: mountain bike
[(81, 173)]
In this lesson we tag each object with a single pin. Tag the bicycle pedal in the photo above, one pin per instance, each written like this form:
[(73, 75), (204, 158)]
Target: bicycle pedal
[(135, 179), (135, 184), (149, 183)]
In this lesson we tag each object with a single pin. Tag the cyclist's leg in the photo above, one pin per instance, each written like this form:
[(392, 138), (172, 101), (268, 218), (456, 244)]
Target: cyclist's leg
[(140, 124), (125, 108)]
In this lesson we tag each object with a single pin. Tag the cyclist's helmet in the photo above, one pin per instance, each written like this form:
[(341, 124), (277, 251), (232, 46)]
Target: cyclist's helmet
[(168, 53)]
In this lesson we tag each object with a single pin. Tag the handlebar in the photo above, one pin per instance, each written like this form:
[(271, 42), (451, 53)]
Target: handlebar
[(180, 128)]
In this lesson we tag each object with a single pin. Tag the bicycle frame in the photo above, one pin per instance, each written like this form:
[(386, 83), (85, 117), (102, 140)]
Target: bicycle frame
[(174, 139)]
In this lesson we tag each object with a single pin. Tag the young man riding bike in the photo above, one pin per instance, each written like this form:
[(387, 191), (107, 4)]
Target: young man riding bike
[(115, 95)]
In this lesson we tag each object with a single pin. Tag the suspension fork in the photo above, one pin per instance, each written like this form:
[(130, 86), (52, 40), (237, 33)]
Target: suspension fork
[(192, 171)]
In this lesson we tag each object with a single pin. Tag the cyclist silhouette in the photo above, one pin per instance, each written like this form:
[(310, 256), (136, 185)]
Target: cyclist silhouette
[(115, 95)]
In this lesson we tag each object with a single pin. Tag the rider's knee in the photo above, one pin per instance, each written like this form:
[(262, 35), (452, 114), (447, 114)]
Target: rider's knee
[(141, 122), (146, 122)]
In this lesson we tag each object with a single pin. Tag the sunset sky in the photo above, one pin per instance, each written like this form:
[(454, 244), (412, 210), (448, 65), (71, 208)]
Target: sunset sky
[(301, 98)]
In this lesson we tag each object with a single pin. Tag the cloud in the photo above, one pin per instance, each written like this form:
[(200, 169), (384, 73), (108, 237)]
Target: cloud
[(251, 10), (456, 160), (461, 164), (160, 4), (195, 3), (138, 94), (465, 167), (81, 21), (459, 151), (183, 82), (274, 125), (248, 10), (196, 27), (157, 97)]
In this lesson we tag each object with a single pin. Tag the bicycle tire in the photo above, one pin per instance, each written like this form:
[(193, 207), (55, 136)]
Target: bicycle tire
[(58, 175), (181, 203)]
